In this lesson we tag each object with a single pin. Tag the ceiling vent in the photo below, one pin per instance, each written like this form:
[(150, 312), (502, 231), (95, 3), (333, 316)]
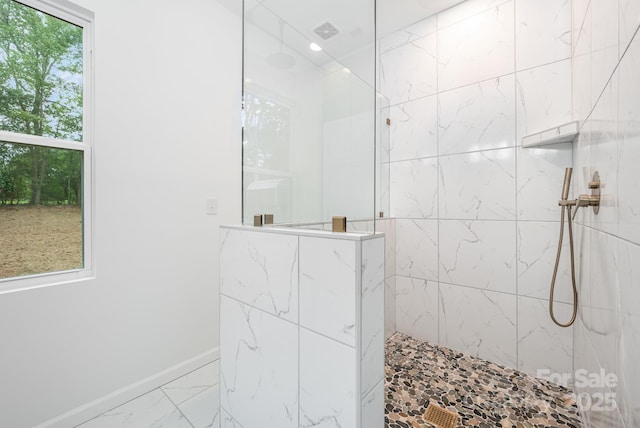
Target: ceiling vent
[(326, 31)]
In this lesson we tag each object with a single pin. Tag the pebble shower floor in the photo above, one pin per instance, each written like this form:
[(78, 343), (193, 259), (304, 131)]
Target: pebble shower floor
[(483, 394)]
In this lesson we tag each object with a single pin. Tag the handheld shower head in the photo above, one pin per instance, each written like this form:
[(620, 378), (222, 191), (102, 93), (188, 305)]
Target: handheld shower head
[(567, 184)]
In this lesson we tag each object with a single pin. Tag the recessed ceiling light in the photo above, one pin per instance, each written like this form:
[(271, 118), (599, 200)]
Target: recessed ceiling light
[(314, 47)]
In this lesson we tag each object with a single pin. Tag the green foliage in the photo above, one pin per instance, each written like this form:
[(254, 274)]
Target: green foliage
[(40, 94), (60, 184)]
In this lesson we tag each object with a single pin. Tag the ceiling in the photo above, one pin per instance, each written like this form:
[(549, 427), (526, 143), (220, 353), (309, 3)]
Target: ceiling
[(394, 15), (352, 18)]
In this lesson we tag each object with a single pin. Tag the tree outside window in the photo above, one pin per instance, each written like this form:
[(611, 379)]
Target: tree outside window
[(41, 178)]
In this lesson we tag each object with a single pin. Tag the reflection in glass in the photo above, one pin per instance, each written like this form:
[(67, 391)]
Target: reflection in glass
[(309, 144)]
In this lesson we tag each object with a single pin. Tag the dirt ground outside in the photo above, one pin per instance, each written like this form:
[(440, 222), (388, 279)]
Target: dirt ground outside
[(39, 239)]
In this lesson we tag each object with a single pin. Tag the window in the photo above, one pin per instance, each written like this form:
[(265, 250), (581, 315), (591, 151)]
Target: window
[(45, 141)]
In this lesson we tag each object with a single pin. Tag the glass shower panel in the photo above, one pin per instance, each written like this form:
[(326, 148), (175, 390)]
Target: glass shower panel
[(383, 151), (309, 115)]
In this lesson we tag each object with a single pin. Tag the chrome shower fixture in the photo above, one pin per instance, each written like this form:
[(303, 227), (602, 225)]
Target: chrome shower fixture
[(567, 204)]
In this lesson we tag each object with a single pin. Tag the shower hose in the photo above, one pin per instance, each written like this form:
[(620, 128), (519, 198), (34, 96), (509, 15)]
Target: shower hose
[(573, 268)]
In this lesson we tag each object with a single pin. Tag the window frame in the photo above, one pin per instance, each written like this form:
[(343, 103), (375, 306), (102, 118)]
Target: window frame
[(83, 18)]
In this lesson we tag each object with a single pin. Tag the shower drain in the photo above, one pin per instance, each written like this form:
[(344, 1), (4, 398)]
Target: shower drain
[(443, 418)]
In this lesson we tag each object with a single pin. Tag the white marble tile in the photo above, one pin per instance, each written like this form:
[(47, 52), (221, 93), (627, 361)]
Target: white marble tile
[(540, 177), (466, 10), (629, 145), (582, 248), (479, 48), (537, 250), (327, 382), (480, 185), (327, 285), (414, 188), (227, 421), (582, 60), (584, 355), (629, 277), (604, 159), (582, 171), (478, 322), (258, 366), (603, 319), (384, 130), (151, 410), (408, 34), (604, 331), (417, 308), (388, 227), (193, 383), (605, 285), (417, 248), (543, 32), (543, 98), (203, 410), (373, 408), (414, 129), (261, 269), (586, 362), (629, 352), (629, 382), (581, 71), (372, 314), (389, 307), (578, 15), (477, 117), (604, 43), (479, 254), (383, 188), (542, 344), (629, 20), (409, 71)]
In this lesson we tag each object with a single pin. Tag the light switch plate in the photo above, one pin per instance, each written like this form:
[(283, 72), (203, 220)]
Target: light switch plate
[(212, 206)]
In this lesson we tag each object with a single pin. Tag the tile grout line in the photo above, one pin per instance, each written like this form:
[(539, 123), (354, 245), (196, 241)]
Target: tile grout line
[(176, 407), (515, 119), (438, 172), (298, 325)]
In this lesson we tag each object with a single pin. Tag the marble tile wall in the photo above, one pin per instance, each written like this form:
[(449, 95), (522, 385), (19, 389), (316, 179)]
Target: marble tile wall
[(301, 328), (606, 65), (476, 215)]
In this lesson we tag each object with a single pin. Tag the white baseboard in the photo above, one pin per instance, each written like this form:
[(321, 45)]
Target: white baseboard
[(97, 407)]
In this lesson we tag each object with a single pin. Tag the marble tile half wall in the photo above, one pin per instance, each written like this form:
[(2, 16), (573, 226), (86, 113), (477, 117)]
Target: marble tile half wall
[(301, 328)]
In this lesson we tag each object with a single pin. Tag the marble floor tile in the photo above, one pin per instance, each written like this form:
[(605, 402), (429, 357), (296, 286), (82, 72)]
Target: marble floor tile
[(197, 381), (416, 373), (152, 410), (203, 410)]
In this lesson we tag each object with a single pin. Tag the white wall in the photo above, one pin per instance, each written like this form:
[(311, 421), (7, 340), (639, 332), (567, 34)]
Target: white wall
[(606, 65), (476, 214), (167, 136)]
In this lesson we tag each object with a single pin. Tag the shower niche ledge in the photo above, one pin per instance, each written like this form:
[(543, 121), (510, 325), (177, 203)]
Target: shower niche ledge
[(557, 135), (301, 328)]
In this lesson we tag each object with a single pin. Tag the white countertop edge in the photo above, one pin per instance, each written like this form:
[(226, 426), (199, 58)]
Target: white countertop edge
[(312, 233)]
